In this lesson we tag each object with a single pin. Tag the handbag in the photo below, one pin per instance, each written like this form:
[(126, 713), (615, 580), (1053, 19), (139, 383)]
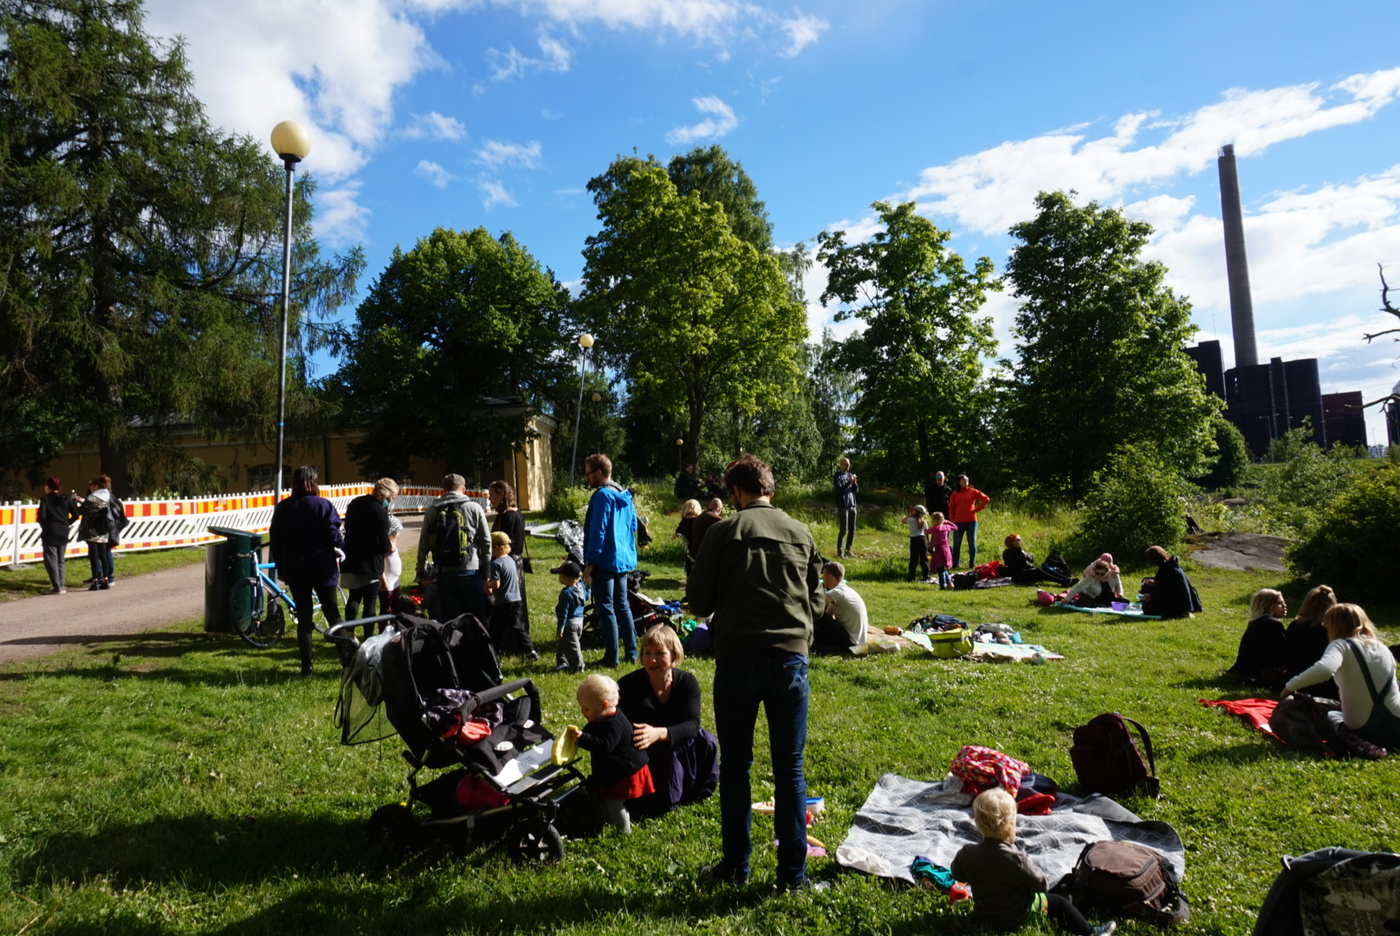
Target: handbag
[(951, 643), (525, 563)]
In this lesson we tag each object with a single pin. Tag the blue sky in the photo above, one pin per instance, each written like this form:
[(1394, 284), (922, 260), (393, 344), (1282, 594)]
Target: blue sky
[(462, 113)]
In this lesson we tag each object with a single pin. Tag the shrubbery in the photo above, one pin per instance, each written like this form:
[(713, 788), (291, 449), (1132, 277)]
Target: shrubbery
[(1134, 503), (1354, 541)]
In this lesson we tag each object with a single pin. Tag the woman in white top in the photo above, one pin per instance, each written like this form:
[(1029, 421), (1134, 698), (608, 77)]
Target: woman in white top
[(1100, 586), (1365, 673)]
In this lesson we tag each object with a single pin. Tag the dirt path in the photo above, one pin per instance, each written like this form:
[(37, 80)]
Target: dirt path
[(32, 627)]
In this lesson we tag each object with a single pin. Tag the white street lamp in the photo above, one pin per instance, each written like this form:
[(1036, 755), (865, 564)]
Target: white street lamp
[(585, 342), (291, 142)]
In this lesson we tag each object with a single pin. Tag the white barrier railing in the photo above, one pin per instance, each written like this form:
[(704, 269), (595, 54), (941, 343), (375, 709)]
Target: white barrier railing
[(166, 524)]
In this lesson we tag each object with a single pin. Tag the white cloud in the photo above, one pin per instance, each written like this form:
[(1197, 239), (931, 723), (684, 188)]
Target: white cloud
[(990, 190), (341, 219), (494, 193), (435, 174), (548, 114), (434, 126), (802, 30), (714, 127), (554, 57), (502, 153)]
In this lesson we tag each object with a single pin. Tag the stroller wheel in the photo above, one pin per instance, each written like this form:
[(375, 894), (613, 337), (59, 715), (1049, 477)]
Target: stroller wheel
[(392, 825), (535, 840)]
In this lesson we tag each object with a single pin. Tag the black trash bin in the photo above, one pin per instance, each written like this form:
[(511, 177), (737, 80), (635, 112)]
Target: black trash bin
[(226, 563)]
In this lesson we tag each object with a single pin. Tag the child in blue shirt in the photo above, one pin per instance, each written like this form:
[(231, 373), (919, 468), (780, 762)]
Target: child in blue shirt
[(568, 612)]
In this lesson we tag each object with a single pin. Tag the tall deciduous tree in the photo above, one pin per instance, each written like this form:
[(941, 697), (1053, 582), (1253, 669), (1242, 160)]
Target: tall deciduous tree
[(141, 246), (1100, 359), (919, 359), (461, 318), (697, 318), (708, 171)]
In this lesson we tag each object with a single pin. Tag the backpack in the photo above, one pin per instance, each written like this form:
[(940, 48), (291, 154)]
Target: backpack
[(1107, 761), (1127, 879), (452, 546)]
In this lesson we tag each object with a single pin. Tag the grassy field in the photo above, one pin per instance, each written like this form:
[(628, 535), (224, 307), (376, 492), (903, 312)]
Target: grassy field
[(183, 785), (31, 579)]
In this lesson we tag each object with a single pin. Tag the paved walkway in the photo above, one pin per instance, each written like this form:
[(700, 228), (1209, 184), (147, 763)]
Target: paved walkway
[(32, 627)]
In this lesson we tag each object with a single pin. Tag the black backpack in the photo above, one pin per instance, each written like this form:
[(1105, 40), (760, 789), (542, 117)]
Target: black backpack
[(1107, 761), (451, 546), (1127, 879)]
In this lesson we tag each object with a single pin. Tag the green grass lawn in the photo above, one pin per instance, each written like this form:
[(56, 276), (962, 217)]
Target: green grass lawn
[(186, 785)]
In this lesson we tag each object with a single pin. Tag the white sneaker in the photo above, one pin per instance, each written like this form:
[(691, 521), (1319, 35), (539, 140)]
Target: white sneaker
[(1106, 929)]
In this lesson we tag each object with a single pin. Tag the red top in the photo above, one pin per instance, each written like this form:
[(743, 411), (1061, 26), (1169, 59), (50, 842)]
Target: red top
[(964, 504)]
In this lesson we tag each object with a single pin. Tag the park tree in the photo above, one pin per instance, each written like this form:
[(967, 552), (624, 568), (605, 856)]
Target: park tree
[(1100, 359), (141, 249), (707, 171), (919, 358), (696, 319), (460, 318)]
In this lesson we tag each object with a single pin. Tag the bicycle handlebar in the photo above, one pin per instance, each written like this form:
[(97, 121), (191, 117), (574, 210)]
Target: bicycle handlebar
[(331, 632)]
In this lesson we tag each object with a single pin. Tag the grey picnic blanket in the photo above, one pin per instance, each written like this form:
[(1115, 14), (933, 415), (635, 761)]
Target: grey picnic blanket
[(903, 818)]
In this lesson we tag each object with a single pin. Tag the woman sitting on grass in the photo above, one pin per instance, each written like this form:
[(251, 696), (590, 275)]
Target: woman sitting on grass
[(1306, 639), (1168, 594), (1100, 586), (1261, 660), (1021, 565), (1365, 673)]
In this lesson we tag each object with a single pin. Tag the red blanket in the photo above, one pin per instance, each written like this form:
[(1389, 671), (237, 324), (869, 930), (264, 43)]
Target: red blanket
[(1254, 711)]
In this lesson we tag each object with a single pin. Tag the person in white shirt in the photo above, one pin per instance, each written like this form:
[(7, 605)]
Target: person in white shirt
[(842, 624), (1365, 673)]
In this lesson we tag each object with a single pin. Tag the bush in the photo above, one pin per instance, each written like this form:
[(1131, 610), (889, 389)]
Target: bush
[(566, 503), (1356, 539), (1134, 503), (1231, 458)]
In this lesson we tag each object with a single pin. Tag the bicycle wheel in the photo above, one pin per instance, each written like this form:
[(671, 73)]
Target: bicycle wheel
[(318, 617), (267, 618)]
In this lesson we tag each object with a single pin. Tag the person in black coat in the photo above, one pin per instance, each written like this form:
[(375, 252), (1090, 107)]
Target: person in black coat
[(57, 513), (1020, 565), (938, 494), (1261, 660), (1168, 594), (367, 546), (306, 543), (1306, 640), (510, 521)]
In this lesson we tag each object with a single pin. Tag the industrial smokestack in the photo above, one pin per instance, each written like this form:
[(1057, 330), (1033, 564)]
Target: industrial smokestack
[(1236, 263)]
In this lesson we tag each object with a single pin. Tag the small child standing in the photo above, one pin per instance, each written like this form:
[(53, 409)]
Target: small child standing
[(918, 545), (503, 591), (620, 771), (940, 553), (568, 612), (1008, 890)]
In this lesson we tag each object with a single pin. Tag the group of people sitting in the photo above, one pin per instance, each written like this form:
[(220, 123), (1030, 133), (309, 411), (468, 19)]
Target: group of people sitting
[(1166, 594), (1331, 649)]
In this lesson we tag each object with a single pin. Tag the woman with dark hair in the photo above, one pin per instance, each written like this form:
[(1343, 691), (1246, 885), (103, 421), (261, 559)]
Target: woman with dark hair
[(1168, 594), (57, 511), (510, 521), (1306, 638), (306, 542), (367, 546), (96, 529)]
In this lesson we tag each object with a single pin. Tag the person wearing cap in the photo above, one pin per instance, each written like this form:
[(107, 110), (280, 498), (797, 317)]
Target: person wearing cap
[(459, 582), (609, 553), (568, 613), (759, 574), (57, 513), (508, 633)]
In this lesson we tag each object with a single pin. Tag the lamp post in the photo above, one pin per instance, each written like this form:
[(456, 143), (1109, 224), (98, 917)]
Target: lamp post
[(585, 341), (680, 454), (291, 142)]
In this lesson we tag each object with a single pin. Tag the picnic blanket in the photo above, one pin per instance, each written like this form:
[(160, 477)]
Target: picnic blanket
[(1255, 712), (1132, 612), (904, 818)]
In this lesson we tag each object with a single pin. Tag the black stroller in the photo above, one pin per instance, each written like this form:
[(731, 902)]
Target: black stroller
[(439, 686)]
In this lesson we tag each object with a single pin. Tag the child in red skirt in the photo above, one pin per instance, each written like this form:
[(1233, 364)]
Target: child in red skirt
[(620, 771)]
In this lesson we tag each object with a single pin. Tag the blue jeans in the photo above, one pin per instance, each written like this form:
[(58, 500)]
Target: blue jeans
[(971, 530), (100, 561), (460, 592), (779, 684), (614, 614)]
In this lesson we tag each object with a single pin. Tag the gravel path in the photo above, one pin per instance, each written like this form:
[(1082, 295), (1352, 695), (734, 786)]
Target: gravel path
[(32, 627)]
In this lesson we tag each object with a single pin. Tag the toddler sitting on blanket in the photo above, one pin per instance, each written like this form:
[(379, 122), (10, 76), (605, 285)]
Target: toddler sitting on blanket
[(1008, 890)]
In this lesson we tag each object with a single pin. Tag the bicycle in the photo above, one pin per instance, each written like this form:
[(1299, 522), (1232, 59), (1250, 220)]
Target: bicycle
[(269, 606)]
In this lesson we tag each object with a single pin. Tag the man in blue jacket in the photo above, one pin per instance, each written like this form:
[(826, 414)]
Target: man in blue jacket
[(609, 553)]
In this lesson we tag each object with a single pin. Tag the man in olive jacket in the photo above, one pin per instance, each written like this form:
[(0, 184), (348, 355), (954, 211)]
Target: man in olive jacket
[(759, 574)]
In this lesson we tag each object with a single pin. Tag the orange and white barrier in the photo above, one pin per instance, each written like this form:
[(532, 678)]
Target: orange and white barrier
[(167, 524)]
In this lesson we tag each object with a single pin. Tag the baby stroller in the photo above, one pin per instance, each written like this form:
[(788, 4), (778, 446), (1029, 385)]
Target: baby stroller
[(645, 612), (439, 688)]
